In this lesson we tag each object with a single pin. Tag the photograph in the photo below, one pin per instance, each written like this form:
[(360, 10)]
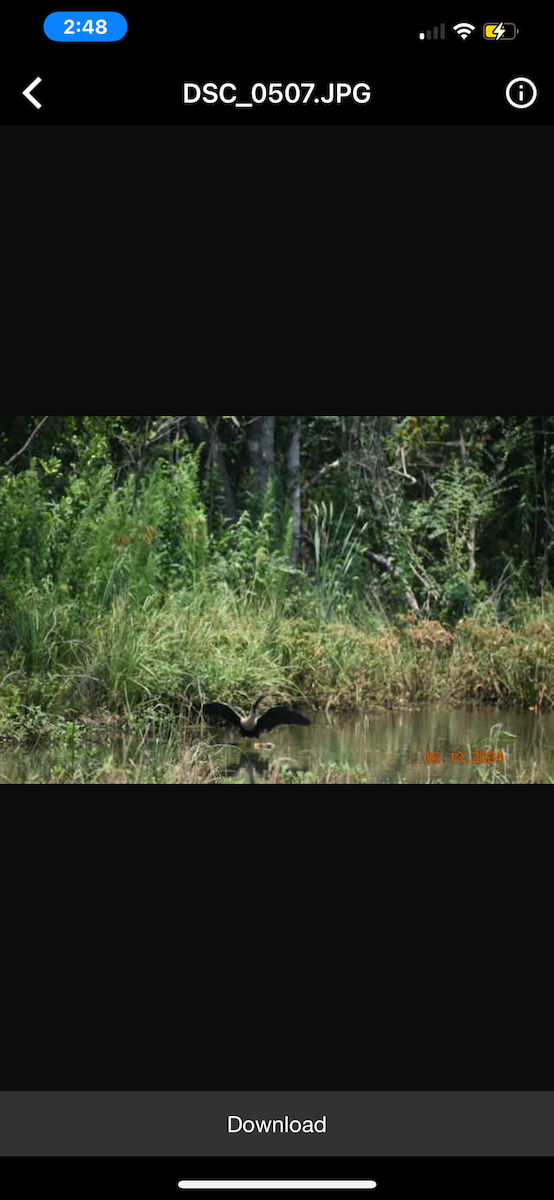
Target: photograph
[(285, 600)]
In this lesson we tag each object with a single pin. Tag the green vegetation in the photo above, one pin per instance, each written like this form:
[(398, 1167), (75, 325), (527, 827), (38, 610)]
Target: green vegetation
[(149, 564)]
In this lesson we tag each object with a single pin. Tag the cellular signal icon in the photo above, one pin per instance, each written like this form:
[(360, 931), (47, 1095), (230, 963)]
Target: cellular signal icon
[(438, 33), (464, 30)]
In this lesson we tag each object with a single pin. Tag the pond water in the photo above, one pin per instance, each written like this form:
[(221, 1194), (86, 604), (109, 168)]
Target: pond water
[(430, 745)]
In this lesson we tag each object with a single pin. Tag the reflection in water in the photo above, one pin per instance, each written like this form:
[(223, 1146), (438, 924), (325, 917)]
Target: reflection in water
[(246, 766), (392, 747)]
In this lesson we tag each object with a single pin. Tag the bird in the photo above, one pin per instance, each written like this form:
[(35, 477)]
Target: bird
[(253, 725)]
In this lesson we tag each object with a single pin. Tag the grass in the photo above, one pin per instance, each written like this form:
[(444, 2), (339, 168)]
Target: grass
[(82, 753), (161, 658), (118, 601)]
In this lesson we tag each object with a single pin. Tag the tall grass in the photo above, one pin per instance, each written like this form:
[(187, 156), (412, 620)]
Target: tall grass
[(119, 599), (338, 549)]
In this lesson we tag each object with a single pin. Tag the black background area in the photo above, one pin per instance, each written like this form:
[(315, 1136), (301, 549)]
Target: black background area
[(397, 1178), (150, 950), (419, 1006)]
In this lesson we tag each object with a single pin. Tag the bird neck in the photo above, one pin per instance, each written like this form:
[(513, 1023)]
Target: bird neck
[(249, 723)]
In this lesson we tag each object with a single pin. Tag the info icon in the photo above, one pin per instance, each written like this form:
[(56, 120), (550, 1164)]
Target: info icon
[(521, 92)]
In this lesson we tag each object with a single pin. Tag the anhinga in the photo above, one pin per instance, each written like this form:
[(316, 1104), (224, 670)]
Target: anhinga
[(253, 725)]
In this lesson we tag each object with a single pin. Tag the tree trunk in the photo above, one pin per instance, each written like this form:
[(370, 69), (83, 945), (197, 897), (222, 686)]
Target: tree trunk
[(294, 487), (208, 435), (261, 447), (472, 540)]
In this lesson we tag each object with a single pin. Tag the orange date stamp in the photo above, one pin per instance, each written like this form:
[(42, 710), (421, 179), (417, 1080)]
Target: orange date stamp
[(461, 758)]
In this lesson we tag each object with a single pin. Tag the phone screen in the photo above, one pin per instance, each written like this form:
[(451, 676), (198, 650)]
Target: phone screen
[(340, 990)]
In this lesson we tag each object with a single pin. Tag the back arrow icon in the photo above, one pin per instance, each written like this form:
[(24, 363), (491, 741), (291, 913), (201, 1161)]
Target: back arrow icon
[(29, 89)]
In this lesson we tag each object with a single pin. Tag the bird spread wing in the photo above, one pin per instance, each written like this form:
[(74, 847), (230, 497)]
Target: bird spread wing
[(222, 712), (280, 716)]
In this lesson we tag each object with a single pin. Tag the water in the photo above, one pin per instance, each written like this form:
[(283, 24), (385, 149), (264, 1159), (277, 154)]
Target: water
[(395, 747), (381, 747)]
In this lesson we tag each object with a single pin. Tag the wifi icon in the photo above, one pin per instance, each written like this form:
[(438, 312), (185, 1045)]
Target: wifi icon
[(464, 30)]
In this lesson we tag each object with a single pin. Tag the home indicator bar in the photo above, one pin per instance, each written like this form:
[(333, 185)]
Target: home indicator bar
[(278, 1185)]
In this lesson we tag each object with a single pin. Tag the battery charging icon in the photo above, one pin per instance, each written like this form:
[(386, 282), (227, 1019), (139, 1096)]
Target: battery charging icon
[(503, 31)]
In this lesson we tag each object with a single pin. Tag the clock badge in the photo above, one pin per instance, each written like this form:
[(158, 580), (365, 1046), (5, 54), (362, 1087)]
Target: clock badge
[(82, 27)]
